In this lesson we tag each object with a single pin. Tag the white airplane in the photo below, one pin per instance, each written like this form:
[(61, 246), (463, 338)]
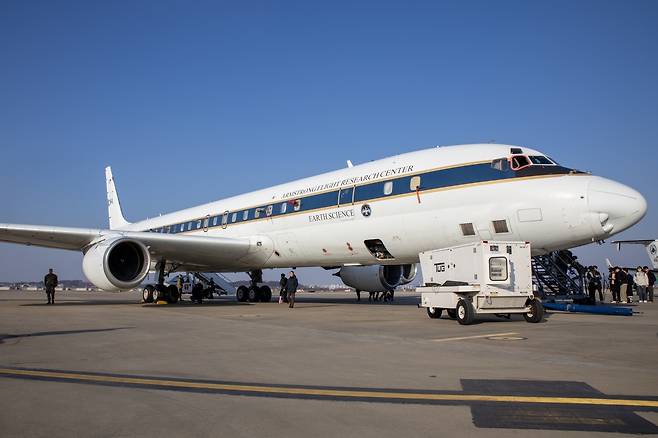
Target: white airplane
[(369, 220), (650, 246)]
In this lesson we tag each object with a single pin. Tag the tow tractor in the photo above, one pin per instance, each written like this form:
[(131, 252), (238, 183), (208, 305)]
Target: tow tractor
[(484, 277)]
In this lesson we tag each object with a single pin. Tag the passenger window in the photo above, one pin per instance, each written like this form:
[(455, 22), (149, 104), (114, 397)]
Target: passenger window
[(189, 226), (198, 224), (414, 183), (500, 226), (234, 217), (268, 210), (214, 221), (284, 207), (345, 196), (388, 188), (182, 227), (205, 222), (467, 229), (245, 215), (297, 204), (257, 212), (225, 218)]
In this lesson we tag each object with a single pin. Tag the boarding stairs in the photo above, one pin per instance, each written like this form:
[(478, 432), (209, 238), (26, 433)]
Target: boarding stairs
[(558, 276), (221, 282)]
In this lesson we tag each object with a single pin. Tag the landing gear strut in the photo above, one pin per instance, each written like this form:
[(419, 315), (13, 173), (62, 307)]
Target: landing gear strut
[(160, 292), (254, 293)]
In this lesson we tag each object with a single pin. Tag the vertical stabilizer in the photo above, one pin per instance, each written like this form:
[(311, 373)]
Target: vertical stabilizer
[(113, 206)]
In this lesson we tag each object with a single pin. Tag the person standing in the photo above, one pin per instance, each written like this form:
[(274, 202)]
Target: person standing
[(591, 284), (651, 277), (598, 283), (629, 286), (615, 284), (282, 289), (642, 281), (623, 286), (50, 282), (291, 288)]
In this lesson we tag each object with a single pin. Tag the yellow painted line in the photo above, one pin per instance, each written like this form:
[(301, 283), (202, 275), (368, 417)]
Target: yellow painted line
[(359, 394), (461, 338)]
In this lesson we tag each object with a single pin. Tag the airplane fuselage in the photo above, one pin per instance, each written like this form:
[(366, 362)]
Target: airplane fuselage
[(414, 202)]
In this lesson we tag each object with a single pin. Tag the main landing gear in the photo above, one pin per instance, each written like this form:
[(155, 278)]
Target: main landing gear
[(254, 293), (160, 292)]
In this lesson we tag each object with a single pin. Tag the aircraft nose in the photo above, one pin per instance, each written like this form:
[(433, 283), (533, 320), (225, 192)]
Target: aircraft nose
[(618, 206)]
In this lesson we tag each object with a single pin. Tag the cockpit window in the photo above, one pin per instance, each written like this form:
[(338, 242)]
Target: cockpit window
[(519, 162), (501, 164), (541, 160)]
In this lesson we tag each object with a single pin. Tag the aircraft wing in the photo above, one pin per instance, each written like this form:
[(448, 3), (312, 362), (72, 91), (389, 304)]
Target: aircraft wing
[(189, 250), (50, 237), (633, 241)]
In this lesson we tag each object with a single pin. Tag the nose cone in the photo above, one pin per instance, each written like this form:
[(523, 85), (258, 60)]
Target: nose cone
[(618, 206)]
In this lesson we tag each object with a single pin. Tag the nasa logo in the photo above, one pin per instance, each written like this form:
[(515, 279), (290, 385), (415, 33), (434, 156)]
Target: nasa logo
[(365, 210)]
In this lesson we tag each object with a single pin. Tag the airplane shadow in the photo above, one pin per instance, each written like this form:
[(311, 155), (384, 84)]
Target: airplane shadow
[(3, 337)]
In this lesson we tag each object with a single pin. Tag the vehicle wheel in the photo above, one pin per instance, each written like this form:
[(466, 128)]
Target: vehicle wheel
[(265, 294), (242, 294), (452, 313), (465, 312), (536, 313), (147, 293), (173, 294), (156, 295), (254, 294), (434, 312)]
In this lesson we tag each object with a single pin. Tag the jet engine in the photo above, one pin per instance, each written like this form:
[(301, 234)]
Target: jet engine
[(116, 264), (377, 278)]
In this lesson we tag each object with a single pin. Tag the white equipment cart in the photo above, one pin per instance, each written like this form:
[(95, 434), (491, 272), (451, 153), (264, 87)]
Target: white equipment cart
[(484, 277)]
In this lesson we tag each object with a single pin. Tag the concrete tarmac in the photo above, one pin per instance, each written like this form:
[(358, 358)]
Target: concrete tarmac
[(104, 365)]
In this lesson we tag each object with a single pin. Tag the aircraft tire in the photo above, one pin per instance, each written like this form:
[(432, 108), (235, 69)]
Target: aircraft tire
[(536, 313), (465, 312), (434, 312), (265, 294), (242, 294), (253, 294), (147, 293)]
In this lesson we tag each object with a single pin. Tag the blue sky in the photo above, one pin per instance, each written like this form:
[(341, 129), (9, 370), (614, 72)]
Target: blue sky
[(194, 101)]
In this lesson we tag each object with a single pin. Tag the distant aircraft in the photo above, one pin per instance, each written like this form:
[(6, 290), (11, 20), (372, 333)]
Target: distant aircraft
[(369, 220), (651, 246)]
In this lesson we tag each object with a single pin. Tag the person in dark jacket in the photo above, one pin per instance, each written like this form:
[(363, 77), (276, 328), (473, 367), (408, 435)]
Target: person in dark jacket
[(50, 282), (282, 285), (291, 288), (593, 277), (629, 286), (652, 280)]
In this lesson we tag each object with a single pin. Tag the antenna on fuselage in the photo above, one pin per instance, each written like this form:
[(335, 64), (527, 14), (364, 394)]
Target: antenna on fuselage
[(349, 163)]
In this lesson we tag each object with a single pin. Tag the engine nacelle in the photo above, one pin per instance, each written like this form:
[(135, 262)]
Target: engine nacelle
[(116, 264), (375, 278), (408, 273)]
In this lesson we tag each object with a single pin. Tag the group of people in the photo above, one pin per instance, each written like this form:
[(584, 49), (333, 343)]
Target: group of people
[(196, 289), (622, 284), (288, 288)]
